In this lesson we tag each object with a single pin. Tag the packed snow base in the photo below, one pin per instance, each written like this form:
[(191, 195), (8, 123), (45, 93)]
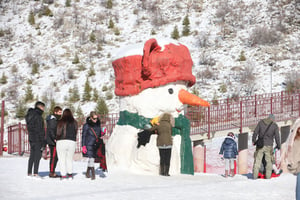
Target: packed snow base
[(123, 185)]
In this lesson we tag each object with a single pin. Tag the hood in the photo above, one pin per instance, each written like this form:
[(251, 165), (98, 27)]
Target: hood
[(228, 140), (267, 121), (91, 123)]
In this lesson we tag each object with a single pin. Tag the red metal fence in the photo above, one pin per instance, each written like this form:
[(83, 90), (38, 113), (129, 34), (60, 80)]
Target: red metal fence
[(222, 115)]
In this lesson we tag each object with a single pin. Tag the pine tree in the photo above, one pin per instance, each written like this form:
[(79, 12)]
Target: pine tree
[(35, 68), (186, 26), (101, 107), (21, 110), (95, 94), (91, 71), (111, 24), (92, 37), (31, 18), (76, 59), (175, 33), (74, 94), (28, 94), (3, 79), (79, 115), (68, 3), (87, 91), (109, 4)]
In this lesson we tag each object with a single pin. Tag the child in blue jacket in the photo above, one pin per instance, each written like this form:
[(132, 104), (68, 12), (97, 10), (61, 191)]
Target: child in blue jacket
[(229, 152)]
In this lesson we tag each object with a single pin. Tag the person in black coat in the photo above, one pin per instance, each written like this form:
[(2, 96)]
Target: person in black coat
[(51, 138), (91, 133), (36, 131), (229, 152)]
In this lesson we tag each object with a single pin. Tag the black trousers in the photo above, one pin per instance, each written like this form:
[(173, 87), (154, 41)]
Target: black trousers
[(165, 156), (34, 158), (53, 158)]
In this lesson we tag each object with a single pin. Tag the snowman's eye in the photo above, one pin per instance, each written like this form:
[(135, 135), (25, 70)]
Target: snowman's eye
[(170, 90)]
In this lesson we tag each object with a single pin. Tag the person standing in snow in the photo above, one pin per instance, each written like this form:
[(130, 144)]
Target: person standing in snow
[(91, 133), (164, 141), (229, 152), (51, 138), (293, 155), (36, 132), (266, 130), (66, 133), (101, 150)]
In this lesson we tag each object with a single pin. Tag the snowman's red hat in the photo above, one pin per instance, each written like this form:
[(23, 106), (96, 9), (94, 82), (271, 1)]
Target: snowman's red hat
[(159, 65)]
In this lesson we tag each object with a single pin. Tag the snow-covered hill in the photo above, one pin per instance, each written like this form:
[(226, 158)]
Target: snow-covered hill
[(238, 47)]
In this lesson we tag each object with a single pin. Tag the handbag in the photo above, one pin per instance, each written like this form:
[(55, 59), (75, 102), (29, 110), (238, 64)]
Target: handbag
[(98, 141), (260, 141)]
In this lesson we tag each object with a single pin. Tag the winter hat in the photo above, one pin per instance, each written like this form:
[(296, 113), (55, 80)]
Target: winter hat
[(158, 64), (271, 116)]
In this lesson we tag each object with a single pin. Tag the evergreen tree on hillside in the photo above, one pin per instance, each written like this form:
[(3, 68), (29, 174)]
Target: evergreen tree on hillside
[(95, 94), (74, 94), (186, 26), (21, 110), (28, 94), (31, 19), (101, 107), (175, 33), (87, 91), (3, 79), (109, 4)]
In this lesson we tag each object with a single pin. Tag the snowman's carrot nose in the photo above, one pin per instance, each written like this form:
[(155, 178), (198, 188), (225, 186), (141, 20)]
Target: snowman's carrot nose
[(187, 98)]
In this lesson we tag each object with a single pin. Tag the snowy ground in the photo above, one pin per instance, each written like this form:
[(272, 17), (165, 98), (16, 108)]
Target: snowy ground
[(121, 185)]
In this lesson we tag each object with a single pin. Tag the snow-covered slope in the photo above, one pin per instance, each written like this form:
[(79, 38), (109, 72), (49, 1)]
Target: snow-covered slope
[(219, 32)]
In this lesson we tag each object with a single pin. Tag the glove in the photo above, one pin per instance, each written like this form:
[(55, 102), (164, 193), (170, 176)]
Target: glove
[(221, 157), (84, 150)]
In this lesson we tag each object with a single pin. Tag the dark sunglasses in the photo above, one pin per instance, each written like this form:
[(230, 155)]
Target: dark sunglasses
[(95, 118)]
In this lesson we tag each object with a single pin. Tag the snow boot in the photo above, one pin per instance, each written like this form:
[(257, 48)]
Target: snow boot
[(87, 174), (93, 173), (226, 173), (232, 173), (166, 173)]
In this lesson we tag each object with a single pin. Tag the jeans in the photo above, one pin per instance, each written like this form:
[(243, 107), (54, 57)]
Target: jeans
[(298, 187)]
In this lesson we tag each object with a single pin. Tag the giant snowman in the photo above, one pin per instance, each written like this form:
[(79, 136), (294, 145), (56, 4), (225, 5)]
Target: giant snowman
[(151, 79)]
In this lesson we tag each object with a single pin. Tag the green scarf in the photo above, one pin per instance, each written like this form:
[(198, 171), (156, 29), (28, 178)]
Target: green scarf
[(182, 128)]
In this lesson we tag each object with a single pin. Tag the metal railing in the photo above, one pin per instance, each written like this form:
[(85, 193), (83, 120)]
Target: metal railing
[(222, 115)]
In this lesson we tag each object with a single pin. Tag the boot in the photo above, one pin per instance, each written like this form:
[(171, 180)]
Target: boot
[(226, 173), (161, 170), (87, 174), (232, 173), (167, 167), (93, 173)]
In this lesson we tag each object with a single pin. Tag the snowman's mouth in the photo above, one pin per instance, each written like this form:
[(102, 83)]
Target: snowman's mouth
[(178, 110)]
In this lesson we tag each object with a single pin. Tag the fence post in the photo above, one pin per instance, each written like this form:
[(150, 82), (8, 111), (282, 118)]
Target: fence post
[(208, 125), (204, 163), (2, 129), (20, 138), (241, 116), (271, 104)]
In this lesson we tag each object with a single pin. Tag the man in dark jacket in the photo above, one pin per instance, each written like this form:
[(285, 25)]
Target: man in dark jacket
[(36, 131), (51, 138), (268, 130)]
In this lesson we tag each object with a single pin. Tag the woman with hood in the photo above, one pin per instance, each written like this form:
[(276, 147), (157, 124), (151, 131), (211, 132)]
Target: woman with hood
[(91, 133), (164, 141), (229, 152)]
